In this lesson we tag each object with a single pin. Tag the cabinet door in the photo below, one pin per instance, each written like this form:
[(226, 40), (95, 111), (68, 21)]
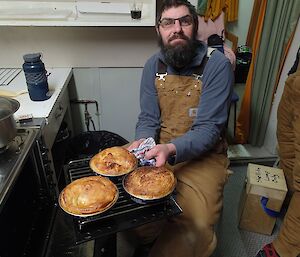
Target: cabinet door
[(116, 90), (85, 86), (56, 117), (119, 89)]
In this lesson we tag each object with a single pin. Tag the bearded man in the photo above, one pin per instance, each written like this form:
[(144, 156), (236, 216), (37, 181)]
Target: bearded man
[(184, 98)]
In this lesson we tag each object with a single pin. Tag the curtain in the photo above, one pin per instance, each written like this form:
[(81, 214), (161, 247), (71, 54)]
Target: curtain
[(277, 25), (280, 21), (211, 9), (232, 10), (243, 121), (253, 22)]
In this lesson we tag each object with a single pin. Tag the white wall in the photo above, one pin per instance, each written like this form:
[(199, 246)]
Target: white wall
[(78, 46), (93, 46), (91, 51), (240, 27), (116, 91), (270, 139)]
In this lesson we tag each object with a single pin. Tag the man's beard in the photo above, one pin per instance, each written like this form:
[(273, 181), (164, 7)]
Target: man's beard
[(179, 55)]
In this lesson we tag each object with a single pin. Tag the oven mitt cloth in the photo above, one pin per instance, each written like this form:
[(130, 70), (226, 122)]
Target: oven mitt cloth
[(140, 152)]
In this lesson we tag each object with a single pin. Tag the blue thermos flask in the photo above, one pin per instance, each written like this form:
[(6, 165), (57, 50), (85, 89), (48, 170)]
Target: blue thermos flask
[(36, 77)]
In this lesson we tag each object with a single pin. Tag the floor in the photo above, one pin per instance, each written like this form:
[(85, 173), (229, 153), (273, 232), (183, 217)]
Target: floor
[(232, 241)]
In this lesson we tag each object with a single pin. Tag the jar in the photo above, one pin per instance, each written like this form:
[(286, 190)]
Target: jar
[(36, 77)]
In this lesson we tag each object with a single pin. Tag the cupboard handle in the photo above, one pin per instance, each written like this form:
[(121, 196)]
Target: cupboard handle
[(59, 111)]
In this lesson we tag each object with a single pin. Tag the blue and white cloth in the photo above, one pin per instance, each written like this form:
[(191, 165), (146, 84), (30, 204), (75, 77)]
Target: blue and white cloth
[(140, 152)]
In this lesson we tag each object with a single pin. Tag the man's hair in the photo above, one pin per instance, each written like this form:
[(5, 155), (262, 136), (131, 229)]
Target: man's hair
[(166, 4)]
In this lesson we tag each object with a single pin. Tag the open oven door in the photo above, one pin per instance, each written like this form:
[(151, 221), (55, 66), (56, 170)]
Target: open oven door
[(96, 235), (82, 236)]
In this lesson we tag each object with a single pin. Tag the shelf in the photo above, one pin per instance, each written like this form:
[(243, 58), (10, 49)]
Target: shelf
[(115, 13)]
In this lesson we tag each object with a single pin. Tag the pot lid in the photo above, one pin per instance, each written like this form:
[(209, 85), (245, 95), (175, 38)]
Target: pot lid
[(8, 106), (35, 57)]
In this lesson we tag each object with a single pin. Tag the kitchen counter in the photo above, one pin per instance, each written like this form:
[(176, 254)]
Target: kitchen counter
[(58, 79), (46, 116)]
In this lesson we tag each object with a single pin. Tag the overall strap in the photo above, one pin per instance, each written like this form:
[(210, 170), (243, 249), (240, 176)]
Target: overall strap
[(197, 72)]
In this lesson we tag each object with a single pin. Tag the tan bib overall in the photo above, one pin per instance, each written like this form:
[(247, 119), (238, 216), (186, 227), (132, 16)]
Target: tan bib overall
[(200, 182), (288, 134)]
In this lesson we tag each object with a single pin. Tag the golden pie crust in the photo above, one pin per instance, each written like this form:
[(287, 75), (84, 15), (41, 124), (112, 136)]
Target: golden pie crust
[(113, 161), (88, 196), (150, 183)]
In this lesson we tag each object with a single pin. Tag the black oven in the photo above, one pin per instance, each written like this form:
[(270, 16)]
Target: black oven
[(27, 206), (33, 225)]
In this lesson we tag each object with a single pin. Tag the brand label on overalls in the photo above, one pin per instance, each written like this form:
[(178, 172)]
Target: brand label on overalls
[(193, 112)]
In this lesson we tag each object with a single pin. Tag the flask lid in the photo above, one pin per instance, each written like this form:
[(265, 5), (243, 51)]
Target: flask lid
[(35, 57)]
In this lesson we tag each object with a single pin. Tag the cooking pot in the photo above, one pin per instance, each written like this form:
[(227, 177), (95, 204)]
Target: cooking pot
[(8, 130)]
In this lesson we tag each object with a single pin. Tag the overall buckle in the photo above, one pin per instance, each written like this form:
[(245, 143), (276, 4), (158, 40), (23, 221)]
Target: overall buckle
[(161, 76)]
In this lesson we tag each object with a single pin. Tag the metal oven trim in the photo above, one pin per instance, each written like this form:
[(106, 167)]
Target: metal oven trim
[(27, 211), (16, 167)]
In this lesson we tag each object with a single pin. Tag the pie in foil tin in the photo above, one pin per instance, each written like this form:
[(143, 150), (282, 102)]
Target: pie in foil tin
[(114, 161), (88, 196), (148, 183)]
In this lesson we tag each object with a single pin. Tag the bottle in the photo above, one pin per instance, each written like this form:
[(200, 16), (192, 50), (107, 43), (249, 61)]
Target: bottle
[(36, 77)]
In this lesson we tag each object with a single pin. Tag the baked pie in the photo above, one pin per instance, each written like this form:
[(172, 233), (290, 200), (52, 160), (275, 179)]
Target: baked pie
[(150, 183), (88, 196), (113, 161)]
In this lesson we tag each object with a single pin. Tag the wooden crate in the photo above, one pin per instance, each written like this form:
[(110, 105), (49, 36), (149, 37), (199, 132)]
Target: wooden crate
[(262, 182)]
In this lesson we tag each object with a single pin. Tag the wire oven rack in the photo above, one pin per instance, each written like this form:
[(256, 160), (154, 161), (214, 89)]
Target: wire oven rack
[(125, 214)]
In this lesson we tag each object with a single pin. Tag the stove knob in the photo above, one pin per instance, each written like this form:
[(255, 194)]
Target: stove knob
[(46, 164), (44, 153), (44, 149)]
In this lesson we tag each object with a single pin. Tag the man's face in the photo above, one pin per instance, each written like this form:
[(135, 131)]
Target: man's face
[(176, 26)]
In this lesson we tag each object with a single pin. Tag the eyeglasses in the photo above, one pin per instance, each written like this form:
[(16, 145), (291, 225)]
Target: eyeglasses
[(184, 21)]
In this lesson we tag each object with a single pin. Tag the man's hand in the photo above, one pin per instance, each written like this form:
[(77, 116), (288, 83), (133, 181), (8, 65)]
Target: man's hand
[(161, 153), (135, 144)]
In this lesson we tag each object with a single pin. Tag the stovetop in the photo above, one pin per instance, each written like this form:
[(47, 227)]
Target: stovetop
[(12, 158), (7, 75)]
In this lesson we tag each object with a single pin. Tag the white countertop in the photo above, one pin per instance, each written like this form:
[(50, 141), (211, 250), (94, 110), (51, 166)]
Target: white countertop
[(58, 78)]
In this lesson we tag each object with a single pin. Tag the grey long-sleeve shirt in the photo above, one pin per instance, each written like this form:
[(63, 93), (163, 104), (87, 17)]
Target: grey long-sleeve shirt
[(217, 82)]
